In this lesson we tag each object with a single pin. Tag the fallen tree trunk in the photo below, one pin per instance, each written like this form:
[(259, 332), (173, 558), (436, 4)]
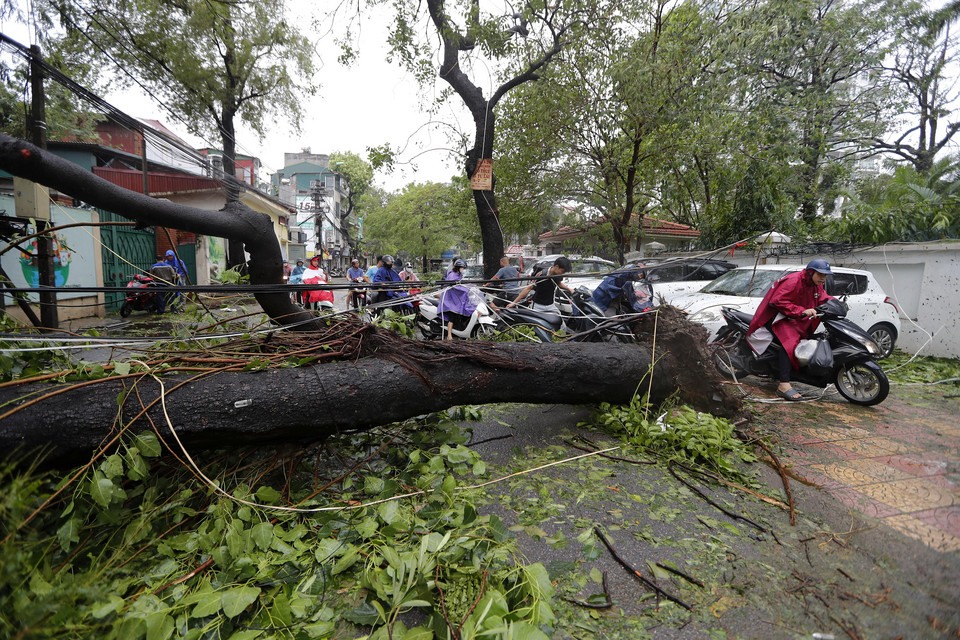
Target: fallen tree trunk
[(310, 403)]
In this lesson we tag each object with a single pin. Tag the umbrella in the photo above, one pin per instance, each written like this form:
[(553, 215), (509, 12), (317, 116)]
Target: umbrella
[(654, 246)]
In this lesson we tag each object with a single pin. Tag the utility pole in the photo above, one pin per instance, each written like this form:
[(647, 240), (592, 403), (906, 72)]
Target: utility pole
[(33, 200)]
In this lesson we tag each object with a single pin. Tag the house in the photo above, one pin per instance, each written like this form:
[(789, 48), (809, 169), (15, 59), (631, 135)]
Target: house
[(319, 195), (657, 236), (246, 168)]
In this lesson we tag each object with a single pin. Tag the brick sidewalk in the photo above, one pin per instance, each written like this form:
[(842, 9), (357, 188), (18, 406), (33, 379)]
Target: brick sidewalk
[(898, 462)]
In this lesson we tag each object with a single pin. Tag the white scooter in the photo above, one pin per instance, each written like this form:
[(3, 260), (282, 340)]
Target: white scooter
[(432, 327)]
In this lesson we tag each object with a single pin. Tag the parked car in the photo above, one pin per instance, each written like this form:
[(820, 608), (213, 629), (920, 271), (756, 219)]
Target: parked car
[(674, 276), (743, 289)]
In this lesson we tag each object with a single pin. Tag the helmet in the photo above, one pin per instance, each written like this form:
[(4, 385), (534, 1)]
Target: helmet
[(820, 266), (388, 260), (315, 259), (354, 261), (299, 260), (459, 263)]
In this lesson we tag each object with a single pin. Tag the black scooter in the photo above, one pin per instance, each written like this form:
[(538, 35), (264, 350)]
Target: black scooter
[(855, 372), (578, 315)]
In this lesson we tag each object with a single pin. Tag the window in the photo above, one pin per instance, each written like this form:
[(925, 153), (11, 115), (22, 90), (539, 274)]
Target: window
[(839, 284)]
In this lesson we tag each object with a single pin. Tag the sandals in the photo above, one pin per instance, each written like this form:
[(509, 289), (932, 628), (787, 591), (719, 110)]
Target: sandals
[(791, 394)]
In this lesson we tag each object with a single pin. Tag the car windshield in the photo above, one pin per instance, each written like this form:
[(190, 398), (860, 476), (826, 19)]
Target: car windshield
[(473, 271), (743, 282)]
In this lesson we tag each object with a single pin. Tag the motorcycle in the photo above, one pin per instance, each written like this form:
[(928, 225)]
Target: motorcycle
[(359, 295), (578, 315), (854, 371), (431, 326), (143, 294)]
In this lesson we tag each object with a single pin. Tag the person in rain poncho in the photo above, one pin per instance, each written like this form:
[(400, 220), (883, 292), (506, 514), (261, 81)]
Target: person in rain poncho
[(455, 300), (788, 314), (315, 274)]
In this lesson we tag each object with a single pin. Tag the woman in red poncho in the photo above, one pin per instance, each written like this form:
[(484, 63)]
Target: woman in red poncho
[(319, 298), (788, 314)]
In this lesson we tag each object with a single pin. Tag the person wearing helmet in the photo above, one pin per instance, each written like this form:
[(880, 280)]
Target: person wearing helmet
[(317, 299), (455, 302), (354, 275), (386, 274), (296, 277), (788, 314), (456, 270)]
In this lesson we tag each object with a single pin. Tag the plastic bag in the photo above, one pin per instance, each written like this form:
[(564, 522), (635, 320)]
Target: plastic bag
[(804, 351), (821, 362)]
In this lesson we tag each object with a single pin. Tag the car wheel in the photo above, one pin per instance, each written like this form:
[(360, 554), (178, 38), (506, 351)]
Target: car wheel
[(885, 336)]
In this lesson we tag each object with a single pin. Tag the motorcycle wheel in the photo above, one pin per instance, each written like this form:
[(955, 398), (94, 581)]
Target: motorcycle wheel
[(125, 309), (727, 353), (483, 332), (862, 383)]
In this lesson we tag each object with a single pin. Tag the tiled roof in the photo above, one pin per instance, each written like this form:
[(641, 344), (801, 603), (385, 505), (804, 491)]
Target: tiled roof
[(651, 226)]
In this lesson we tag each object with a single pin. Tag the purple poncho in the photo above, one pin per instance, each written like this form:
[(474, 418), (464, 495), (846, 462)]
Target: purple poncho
[(457, 299)]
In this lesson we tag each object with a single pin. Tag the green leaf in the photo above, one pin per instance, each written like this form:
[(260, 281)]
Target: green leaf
[(388, 511), (346, 561), (103, 491), (148, 444), (236, 600), (159, 626), (112, 467), (121, 368), (68, 533), (268, 495), (658, 572), (208, 605), (263, 535), (417, 633), (103, 610)]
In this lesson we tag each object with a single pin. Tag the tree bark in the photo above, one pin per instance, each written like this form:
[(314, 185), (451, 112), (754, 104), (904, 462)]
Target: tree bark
[(307, 404)]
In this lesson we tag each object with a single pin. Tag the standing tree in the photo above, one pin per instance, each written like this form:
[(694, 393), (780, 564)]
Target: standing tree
[(809, 79), (620, 117), (423, 220), (922, 70), (210, 62), (524, 41)]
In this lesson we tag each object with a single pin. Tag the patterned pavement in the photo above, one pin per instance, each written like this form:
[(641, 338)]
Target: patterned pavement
[(898, 462)]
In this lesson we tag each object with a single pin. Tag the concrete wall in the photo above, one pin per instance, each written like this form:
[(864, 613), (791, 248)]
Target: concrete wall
[(922, 279)]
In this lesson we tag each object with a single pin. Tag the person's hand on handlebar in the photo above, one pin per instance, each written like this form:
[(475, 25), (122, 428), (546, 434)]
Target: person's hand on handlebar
[(809, 313)]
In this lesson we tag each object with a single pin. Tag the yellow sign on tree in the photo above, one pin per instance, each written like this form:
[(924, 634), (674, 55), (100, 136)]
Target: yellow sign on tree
[(482, 179)]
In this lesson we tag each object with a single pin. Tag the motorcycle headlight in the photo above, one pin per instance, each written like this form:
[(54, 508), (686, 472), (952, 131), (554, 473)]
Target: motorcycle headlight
[(867, 343), (871, 347)]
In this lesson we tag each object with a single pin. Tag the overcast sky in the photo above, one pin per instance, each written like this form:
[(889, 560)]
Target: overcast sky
[(369, 104)]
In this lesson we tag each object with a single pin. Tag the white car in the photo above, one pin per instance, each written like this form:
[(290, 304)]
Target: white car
[(744, 288), (673, 276)]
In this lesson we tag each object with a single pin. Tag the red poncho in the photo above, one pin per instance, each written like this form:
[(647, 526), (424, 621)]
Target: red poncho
[(791, 295)]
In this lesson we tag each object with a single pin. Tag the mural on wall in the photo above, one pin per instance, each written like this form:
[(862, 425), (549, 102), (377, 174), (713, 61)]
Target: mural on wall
[(62, 257), (75, 254), (216, 257)]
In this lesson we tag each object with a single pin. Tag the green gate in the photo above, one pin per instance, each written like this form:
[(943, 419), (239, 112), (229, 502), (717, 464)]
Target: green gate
[(188, 255), (125, 251)]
